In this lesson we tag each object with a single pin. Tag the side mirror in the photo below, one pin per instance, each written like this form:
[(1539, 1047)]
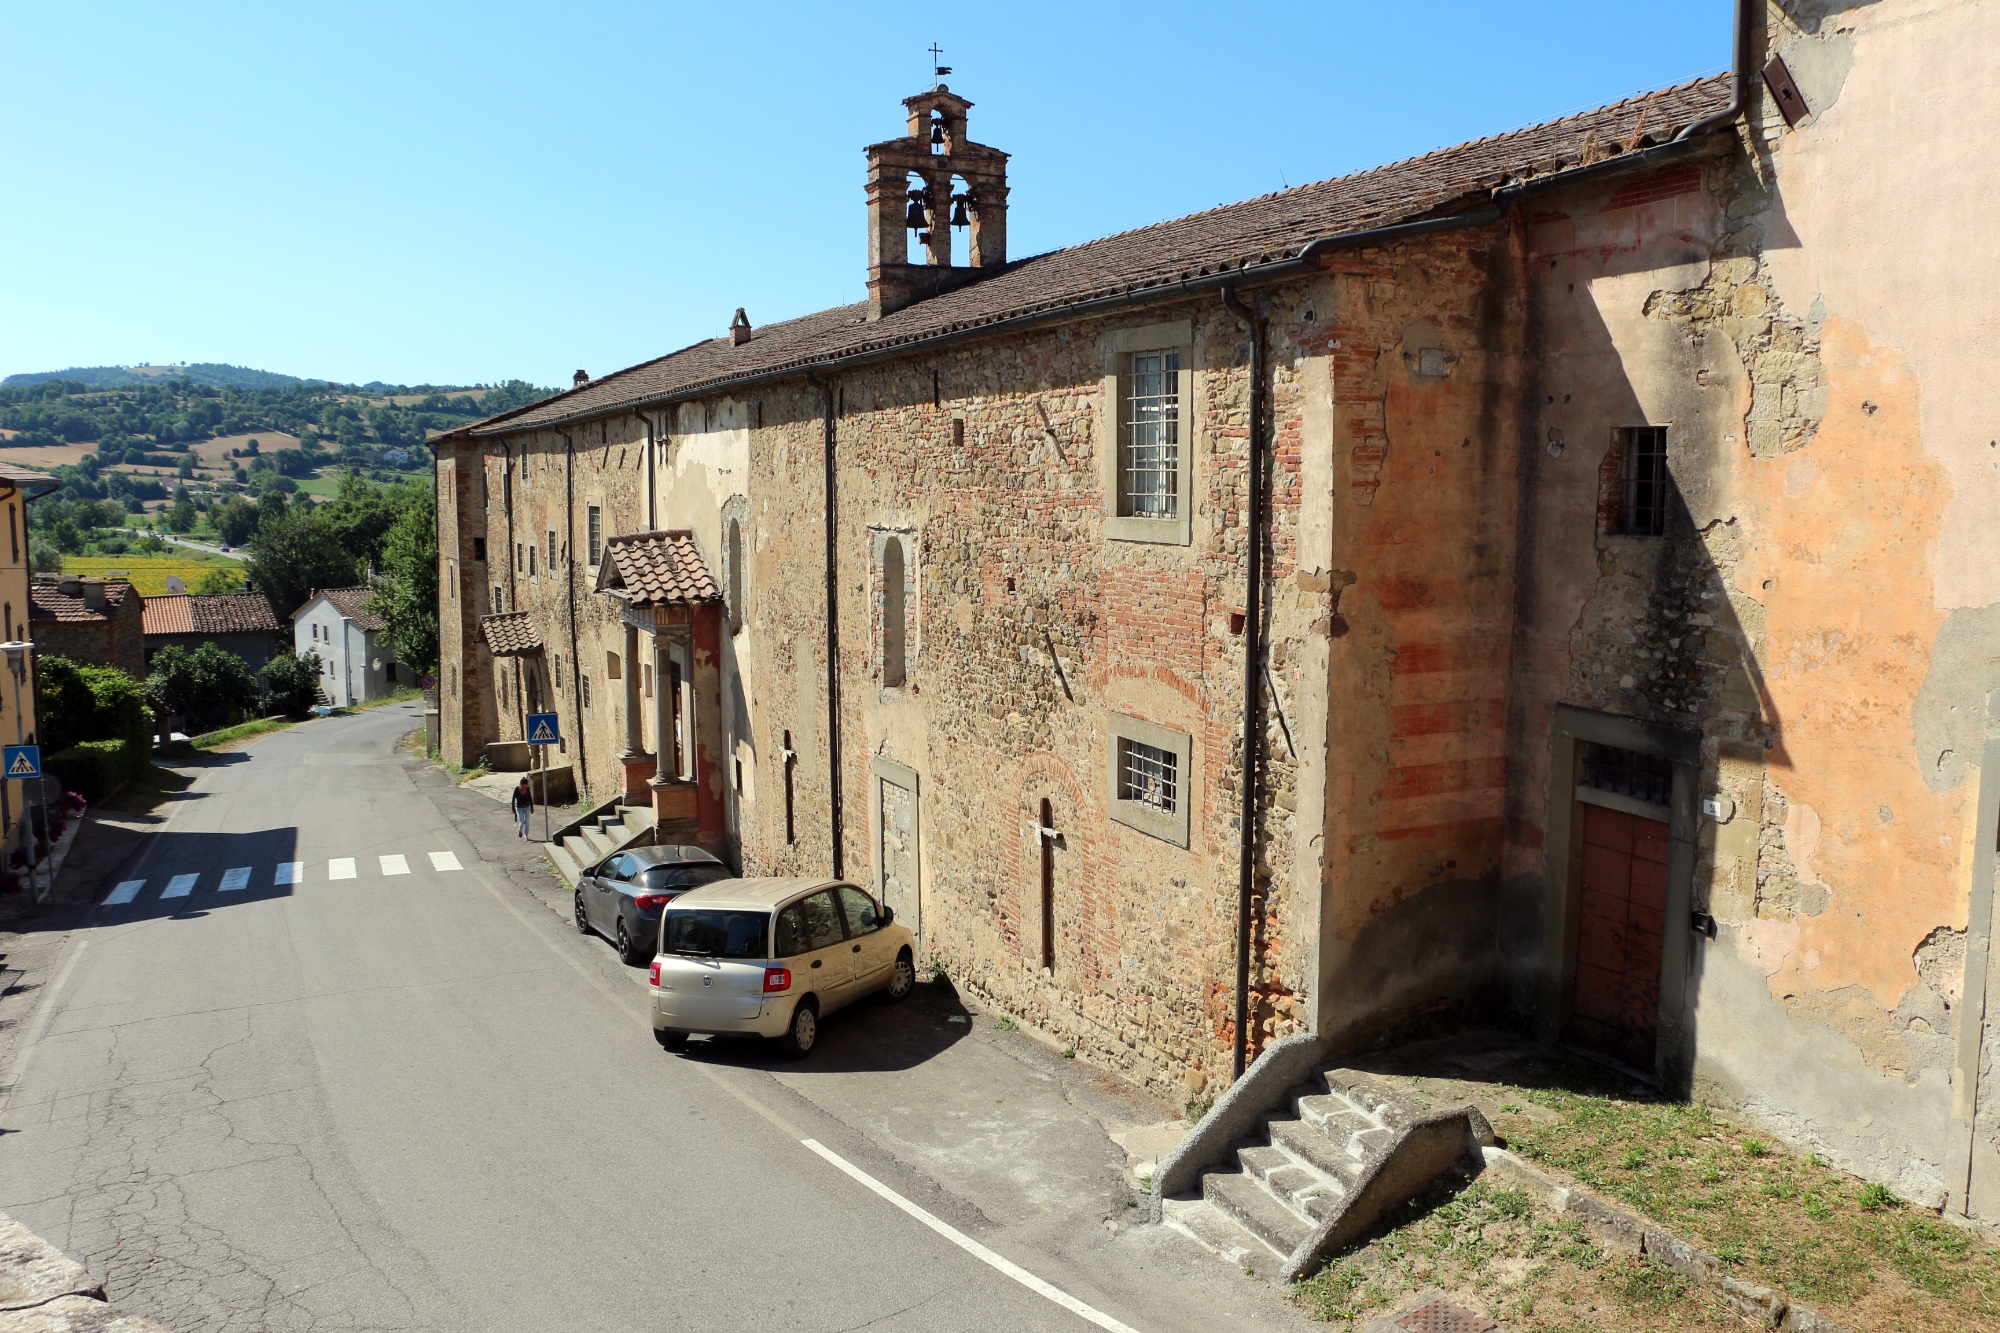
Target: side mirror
[(888, 914)]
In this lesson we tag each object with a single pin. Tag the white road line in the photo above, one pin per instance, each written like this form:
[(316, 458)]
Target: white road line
[(125, 892), (973, 1247), (180, 886), (396, 864), (445, 861), (290, 872), (236, 879), (341, 867)]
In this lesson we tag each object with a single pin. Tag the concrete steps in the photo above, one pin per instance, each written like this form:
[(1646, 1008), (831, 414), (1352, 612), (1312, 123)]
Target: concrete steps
[(1337, 1152), (589, 843)]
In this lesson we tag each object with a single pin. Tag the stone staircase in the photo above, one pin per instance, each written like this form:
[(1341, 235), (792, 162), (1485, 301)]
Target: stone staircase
[(1317, 1170), (596, 836)]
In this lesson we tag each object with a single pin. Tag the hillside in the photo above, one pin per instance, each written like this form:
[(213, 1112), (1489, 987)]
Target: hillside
[(208, 374)]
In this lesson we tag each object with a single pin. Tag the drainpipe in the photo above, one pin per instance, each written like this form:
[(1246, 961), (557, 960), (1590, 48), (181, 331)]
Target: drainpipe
[(652, 484), (832, 629), (569, 589), (1252, 669)]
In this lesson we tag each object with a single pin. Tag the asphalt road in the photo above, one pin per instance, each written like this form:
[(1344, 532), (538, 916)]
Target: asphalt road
[(399, 1093)]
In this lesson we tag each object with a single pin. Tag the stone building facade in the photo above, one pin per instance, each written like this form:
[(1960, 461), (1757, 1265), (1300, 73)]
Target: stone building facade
[(1625, 633)]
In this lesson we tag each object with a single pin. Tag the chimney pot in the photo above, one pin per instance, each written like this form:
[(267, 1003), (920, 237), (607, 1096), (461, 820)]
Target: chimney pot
[(578, 380), (739, 328)]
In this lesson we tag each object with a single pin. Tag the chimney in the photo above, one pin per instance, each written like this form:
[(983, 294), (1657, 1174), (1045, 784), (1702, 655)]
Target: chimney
[(932, 181), (739, 328), (93, 594), (70, 587), (578, 380)]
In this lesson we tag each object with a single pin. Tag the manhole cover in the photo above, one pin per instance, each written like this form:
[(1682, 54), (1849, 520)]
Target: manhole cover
[(1443, 1317)]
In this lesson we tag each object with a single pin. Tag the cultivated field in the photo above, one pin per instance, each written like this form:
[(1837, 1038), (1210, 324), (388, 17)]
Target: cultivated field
[(149, 573)]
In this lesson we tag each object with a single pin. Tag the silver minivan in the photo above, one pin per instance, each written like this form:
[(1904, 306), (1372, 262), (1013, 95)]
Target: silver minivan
[(771, 957)]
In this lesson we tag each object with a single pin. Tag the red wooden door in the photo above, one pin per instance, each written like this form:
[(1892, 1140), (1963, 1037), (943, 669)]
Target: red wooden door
[(1623, 928)]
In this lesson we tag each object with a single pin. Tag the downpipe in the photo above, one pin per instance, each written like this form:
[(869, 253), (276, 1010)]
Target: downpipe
[(1253, 645), (834, 824)]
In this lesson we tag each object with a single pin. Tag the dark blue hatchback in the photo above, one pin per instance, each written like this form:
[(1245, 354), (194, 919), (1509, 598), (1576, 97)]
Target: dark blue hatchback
[(621, 896)]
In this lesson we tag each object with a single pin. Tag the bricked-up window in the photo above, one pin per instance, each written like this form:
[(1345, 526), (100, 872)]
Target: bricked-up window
[(733, 557), (1643, 777), (1642, 508), (1150, 777), (595, 516), (1149, 470), (895, 614)]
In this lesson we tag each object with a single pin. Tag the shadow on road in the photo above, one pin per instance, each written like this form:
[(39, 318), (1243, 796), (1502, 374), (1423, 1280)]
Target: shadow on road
[(871, 1036), (209, 857)]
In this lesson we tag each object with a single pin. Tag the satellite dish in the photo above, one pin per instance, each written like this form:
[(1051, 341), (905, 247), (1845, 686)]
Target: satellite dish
[(175, 586)]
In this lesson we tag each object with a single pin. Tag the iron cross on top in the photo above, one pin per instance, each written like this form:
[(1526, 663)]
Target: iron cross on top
[(936, 52)]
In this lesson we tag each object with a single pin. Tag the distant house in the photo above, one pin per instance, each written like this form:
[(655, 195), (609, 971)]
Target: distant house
[(358, 662), (99, 621), (245, 623)]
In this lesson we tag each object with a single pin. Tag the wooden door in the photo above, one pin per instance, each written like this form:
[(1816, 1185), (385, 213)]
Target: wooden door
[(1622, 931)]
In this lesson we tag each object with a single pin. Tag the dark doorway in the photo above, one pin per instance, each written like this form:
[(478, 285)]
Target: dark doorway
[(1621, 934), (1045, 834)]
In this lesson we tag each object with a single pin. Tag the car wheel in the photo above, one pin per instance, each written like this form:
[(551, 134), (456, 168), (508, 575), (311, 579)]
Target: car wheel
[(902, 978), (671, 1038), (803, 1034), (628, 950), (582, 921)]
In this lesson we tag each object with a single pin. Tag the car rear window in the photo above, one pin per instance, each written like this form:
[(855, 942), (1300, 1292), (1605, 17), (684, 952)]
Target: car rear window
[(714, 933), (684, 876)]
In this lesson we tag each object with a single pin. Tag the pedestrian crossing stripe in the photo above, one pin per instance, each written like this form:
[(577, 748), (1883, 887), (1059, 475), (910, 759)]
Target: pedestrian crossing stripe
[(238, 878)]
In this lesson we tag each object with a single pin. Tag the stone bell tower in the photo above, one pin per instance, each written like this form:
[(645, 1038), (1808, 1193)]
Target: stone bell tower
[(932, 181)]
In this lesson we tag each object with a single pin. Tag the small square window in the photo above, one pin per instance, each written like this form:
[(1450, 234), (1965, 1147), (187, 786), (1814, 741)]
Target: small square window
[(479, 549), (595, 516), (1150, 778)]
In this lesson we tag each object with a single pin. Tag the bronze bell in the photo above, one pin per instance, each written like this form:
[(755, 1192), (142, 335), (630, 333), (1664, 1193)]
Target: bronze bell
[(915, 219), (958, 218), (937, 131), (923, 238)]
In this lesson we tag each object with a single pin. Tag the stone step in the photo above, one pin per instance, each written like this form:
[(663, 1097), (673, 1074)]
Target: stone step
[(1334, 1116), (1316, 1150), (599, 845), (1375, 1099), (1254, 1207), (1217, 1232), (566, 865)]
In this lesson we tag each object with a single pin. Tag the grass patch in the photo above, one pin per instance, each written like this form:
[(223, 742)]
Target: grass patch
[(1493, 1250), (1849, 1249), (242, 731)]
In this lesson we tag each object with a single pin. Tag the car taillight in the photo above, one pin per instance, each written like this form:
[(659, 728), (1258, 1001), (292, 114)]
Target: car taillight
[(655, 978), (777, 979), (648, 901)]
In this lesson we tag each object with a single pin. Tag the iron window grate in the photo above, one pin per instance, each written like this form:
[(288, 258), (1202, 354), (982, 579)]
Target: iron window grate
[(1645, 507), (1152, 435), (1148, 776), (1643, 777)]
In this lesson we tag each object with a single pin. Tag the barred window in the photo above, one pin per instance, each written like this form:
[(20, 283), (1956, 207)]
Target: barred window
[(1148, 775), (1644, 509), (1149, 472), (1643, 777), (596, 517)]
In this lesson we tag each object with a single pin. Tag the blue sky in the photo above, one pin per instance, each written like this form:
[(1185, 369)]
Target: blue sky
[(444, 193)]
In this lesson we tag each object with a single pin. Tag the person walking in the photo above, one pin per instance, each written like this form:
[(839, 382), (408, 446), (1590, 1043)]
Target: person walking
[(524, 805)]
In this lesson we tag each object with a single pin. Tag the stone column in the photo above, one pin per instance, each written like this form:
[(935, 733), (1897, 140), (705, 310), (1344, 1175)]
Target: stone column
[(635, 743), (663, 711)]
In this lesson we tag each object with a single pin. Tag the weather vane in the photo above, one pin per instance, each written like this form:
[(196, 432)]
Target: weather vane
[(936, 52)]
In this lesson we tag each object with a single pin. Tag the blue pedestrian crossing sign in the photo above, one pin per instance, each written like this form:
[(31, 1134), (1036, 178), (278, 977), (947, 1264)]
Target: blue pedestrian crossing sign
[(21, 761), (542, 730)]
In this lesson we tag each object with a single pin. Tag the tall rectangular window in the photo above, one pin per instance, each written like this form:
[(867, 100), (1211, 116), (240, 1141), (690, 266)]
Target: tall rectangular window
[(550, 559), (596, 526), (479, 549), (1149, 468), (499, 599), (531, 562), (1643, 507)]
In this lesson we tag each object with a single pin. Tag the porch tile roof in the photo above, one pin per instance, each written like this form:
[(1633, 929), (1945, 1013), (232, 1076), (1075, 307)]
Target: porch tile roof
[(511, 634), (657, 568)]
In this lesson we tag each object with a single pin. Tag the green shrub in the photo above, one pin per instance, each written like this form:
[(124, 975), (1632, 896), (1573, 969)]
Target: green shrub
[(206, 684), (94, 768), (76, 703), (291, 683)]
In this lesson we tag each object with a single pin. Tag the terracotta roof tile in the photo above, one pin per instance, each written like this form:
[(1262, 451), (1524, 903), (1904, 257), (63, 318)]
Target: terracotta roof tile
[(1268, 229), (654, 568), (510, 634), (350, 602), (169, 615), (234, 613), (52, 601)]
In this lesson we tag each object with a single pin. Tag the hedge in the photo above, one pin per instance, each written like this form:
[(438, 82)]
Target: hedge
[(97, 768)]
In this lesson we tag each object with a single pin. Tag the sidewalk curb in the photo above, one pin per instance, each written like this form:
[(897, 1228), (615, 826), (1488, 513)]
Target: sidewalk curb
[(1628, 1233), (43, 1290)]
